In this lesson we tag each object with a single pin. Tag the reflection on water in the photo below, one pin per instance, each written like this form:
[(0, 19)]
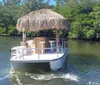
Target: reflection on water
[(39, 68), (84, 47), (84, 61), (81, 68)]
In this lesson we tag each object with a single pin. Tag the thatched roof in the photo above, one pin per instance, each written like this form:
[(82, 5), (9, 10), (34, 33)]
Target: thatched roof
[(41, 20)]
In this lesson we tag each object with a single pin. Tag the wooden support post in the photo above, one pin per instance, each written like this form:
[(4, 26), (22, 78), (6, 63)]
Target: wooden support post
[(24, 36), (63, 37), (57, 41)]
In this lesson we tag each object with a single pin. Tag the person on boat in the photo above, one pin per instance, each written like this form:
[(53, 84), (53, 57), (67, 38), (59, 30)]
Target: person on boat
[(24, 43)]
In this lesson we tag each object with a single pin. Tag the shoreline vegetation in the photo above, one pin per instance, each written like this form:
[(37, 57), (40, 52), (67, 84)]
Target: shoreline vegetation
[(6, 35), (83, 17)]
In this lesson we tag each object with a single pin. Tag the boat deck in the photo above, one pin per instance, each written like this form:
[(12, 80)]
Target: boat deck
[(37, 57)]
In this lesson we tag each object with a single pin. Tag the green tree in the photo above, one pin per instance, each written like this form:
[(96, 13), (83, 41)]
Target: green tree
[(31, 5)]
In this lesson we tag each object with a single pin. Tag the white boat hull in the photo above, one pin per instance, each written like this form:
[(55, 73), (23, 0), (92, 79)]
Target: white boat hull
[(55, 63), (58, 63)]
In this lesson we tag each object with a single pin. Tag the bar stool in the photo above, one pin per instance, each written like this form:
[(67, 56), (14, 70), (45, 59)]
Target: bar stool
[(51, 44)]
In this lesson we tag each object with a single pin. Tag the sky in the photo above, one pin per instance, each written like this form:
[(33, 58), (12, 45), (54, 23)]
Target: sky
[(52, 2)]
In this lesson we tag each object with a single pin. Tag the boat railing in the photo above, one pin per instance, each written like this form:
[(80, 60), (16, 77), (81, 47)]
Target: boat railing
[(40, 51), (53, 47), (22, 51)]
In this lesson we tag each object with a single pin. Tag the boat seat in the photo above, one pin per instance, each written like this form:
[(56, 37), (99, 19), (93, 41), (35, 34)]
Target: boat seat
[(31, 46), (30, 43)]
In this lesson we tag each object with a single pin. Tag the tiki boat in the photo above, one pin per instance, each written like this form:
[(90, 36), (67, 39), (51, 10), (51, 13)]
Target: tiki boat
[(40, 49)]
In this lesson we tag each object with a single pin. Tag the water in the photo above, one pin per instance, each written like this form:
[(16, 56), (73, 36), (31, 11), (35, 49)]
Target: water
[(81, 68)]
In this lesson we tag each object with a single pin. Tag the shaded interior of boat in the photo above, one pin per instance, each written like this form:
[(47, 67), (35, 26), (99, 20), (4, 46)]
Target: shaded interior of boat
[(42, 45)]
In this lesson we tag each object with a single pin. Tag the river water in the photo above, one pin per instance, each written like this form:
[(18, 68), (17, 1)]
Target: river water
[(82, 66)]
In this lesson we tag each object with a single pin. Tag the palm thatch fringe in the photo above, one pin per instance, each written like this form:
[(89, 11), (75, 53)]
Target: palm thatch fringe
[(43, 19)]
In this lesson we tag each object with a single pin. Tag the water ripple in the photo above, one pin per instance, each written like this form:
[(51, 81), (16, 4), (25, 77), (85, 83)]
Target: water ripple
[(68, 76), (5, 77)]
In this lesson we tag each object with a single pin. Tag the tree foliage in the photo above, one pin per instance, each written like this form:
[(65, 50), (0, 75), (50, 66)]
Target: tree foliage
[(83, 16), (11, 10)]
